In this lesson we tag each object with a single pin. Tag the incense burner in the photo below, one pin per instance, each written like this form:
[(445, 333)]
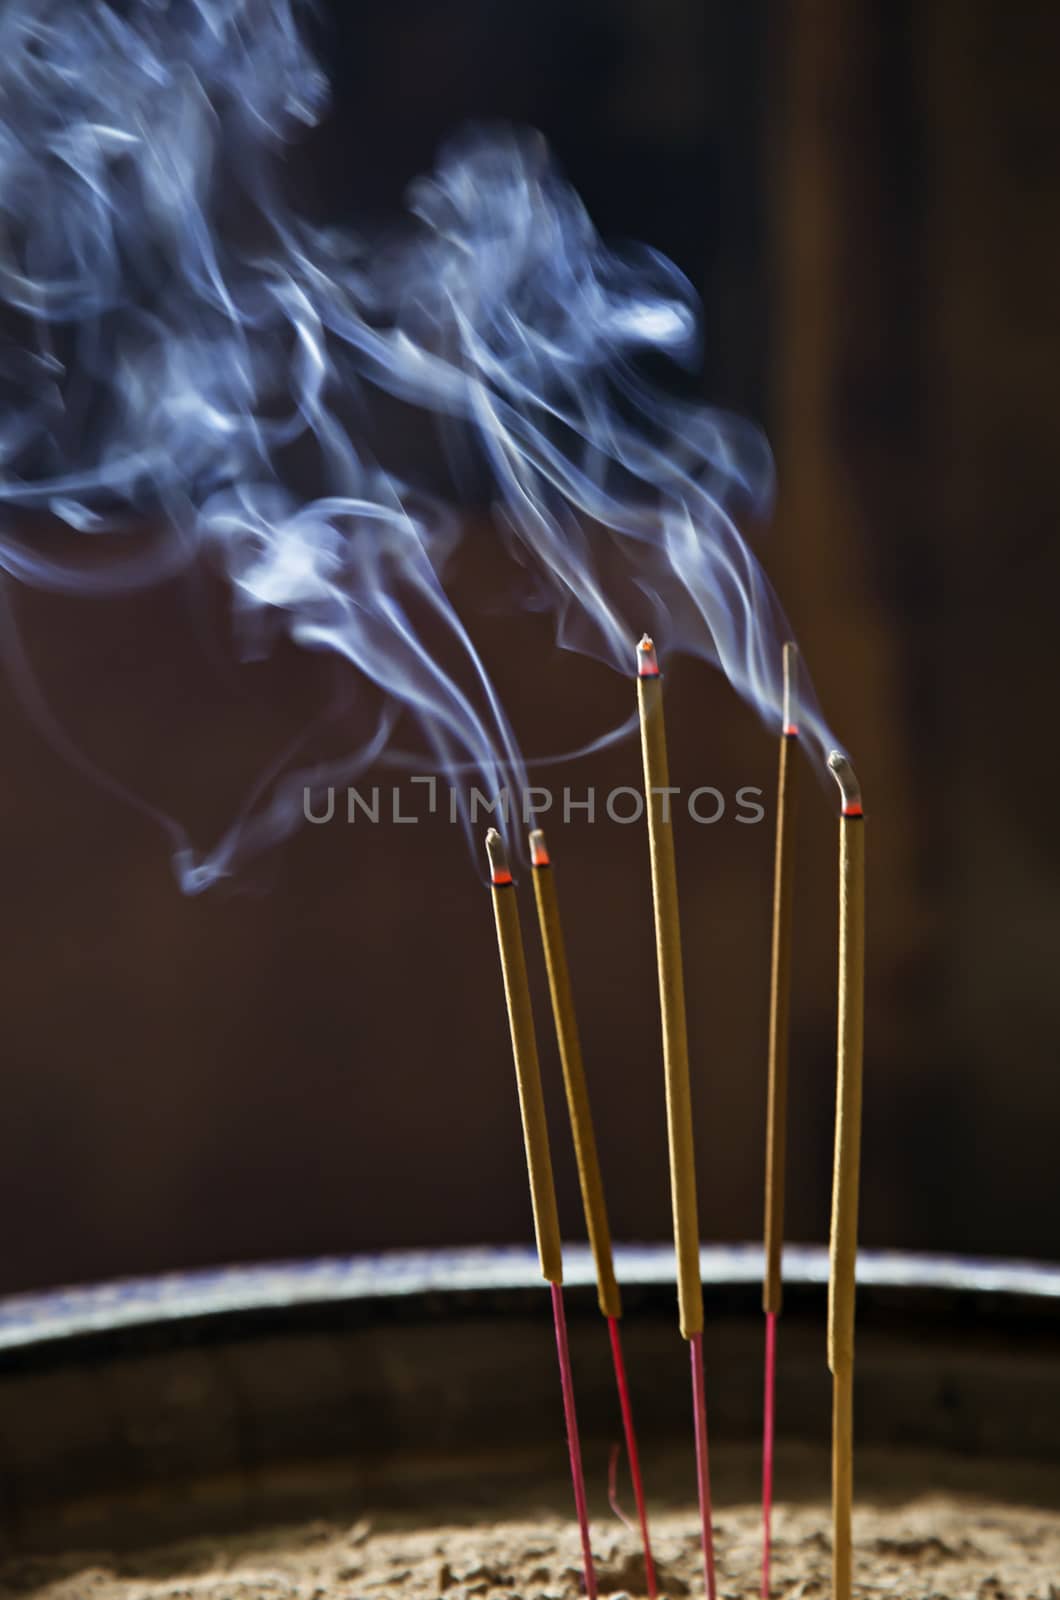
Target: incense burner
[(419, 1386)]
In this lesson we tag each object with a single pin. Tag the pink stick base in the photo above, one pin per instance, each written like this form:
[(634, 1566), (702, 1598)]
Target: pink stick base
[(699, 1407), (573, 1441), (631, 1451), (767, 1446)]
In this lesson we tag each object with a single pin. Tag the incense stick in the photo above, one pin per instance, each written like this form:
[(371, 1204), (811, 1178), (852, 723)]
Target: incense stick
[(527, 1067), (846, 1166), (589, 1178), (777, 1109), (573, 1440), (675, 1059), (538, 1154), (570, 1053)]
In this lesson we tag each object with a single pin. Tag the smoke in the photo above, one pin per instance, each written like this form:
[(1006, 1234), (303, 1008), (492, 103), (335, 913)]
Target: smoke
[(185, 359)]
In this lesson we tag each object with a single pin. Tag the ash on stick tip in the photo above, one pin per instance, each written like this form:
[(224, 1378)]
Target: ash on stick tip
[(849, 787), (500, 871), (789, 706), (539, 856), (647, 660)]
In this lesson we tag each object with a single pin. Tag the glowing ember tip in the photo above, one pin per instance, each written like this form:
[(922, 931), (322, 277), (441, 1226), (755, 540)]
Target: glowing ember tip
[(849, 788), (500, 872), (789, 708), (539, 856), (647, 660)]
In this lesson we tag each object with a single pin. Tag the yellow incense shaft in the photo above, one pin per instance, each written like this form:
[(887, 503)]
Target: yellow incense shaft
[(570, 1052), (671, 992), (847, 1162), (527, 1068), (779, 996), (846, 1168)]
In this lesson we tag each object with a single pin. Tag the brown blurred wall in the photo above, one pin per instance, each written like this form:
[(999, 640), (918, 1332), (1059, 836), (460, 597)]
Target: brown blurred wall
[(918, 438), (315, 1059)]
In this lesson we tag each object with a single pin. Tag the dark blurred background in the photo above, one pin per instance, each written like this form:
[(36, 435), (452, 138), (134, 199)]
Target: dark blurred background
[(315, 1058)]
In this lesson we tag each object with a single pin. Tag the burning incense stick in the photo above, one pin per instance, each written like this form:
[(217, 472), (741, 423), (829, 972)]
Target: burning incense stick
[(675, 1059), (538, 1155), (846, 1166), (589, 1178), (777, 1111)]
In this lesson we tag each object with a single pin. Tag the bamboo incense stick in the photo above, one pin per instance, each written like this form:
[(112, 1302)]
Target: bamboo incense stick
[(671, 990), (524, 1054), (777, 1107), (675, 1060), (846, 1166), (568, 1040), (538, 1155), (589, 1177)]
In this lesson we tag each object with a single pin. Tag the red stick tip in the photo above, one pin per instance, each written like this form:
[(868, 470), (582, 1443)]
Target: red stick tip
[(849, 788), (539, 856), (647, 660), (500, 871)]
